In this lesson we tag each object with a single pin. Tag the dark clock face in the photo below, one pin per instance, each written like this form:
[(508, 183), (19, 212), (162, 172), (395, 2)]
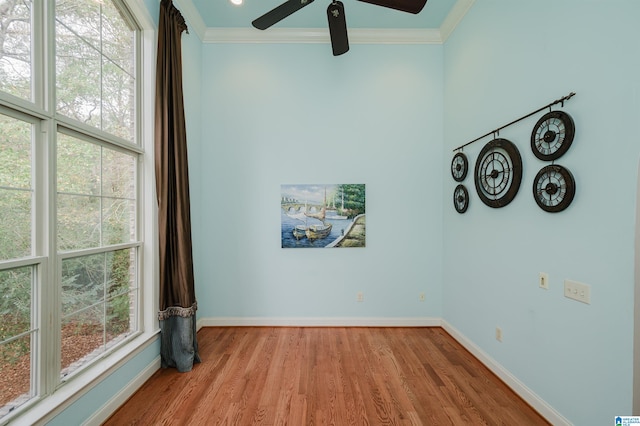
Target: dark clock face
[(552, 135), (554, 188), (459, 167), (498, 173), (461, 199)]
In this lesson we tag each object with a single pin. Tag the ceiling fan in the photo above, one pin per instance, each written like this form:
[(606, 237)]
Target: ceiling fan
[(335, 16)]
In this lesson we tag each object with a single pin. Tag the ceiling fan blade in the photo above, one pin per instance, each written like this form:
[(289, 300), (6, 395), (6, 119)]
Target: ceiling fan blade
[(279, 13), (337, 28), (411, 6)]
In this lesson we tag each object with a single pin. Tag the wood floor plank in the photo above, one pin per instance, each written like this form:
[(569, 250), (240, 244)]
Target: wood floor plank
[(327, 376)]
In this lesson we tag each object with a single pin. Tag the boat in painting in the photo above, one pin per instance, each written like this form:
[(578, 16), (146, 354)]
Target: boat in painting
[(299, 231), (317, 232)]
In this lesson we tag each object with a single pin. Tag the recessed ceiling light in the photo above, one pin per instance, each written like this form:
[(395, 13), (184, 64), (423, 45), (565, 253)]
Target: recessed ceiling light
[(236, 2)]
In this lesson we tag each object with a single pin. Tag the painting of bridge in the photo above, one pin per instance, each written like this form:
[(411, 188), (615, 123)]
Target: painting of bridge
[(323, 215)]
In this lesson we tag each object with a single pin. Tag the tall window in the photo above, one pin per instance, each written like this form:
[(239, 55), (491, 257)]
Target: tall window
[(70, 241), (19, 266)]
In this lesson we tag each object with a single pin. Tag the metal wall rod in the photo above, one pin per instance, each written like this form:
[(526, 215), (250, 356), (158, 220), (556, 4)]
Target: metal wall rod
[(493, 132)]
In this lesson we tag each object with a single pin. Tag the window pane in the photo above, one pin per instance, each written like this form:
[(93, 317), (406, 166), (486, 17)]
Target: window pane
[(83, 283), (15, 303), (106, 215), (77, 78), (120, 317), (121, 272), (15, 217), (15, 48), (119, 207), (82, 338), (78, 166), (15, 320), (81, 18), (118, 96), (15, 188), (95, 72), (15, 374), (118, 221), (15, 153), (78, 60), (98, 305), (118, 174), (118, 48), (78, 222)]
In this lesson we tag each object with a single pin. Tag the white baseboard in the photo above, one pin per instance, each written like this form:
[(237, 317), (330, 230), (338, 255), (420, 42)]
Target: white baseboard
[(530, 397), (317, 322), (123, 395)]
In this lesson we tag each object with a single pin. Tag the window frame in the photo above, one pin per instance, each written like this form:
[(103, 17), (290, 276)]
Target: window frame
[(51, 393)]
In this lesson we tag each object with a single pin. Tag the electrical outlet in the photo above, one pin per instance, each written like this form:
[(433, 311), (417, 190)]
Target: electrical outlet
[(498, 334), (360, 297), (543, 280), (422, 297), (577, 291)]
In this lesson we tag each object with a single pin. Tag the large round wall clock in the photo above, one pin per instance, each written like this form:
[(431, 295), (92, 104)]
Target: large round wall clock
[(498, 173), (554, 188), (459, 167), (552, 135), (460, 198)]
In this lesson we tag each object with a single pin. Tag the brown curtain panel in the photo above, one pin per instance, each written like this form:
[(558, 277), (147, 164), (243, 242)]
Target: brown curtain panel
[(178, 305)]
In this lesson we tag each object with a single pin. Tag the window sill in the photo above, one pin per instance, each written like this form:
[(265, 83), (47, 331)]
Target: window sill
[(41, 410)]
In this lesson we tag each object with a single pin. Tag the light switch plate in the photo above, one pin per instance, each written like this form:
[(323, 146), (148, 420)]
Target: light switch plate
[(577, 291)]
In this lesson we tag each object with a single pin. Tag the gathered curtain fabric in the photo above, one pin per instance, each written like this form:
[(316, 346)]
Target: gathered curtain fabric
[(177, 304)]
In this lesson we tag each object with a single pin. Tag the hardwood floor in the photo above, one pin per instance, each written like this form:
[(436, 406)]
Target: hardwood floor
[(327, 376)]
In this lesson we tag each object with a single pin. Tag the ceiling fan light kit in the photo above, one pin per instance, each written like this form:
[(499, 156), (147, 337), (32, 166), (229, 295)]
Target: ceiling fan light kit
[(335, 16)]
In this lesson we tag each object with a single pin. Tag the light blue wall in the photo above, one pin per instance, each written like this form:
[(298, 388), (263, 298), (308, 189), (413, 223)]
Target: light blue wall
[(89, 403), (506, 59), (291, 113)]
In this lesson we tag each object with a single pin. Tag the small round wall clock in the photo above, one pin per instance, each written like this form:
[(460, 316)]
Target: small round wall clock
[(552, 135), (459, 167), (498, 173), (461, 198), (554, 188)]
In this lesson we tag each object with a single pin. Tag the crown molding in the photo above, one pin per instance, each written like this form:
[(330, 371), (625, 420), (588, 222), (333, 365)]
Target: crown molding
[(321, 35), (193, 18), (454, 18)]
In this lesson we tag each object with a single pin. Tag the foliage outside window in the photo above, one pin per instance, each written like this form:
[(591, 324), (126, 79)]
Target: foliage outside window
[(16, 47), (69, 205)]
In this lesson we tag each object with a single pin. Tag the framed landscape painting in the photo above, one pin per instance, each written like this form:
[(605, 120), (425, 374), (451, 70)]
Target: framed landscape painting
[(327, 215)]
